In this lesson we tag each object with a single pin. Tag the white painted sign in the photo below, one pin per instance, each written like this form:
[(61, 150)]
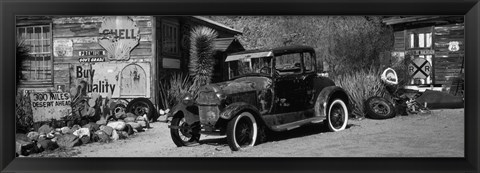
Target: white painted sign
[(116, 79), (50, 105)]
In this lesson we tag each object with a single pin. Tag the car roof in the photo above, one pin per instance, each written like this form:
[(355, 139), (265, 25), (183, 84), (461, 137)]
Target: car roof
[(279, 50), (268, 52)]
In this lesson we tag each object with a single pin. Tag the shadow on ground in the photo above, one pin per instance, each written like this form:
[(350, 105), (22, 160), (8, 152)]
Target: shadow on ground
[(307, 130)]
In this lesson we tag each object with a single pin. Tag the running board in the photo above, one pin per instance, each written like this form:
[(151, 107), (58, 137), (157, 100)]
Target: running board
[(296, 124)]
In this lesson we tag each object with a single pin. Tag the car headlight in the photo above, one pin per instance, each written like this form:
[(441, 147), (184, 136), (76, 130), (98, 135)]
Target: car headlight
[(187, 99), (221, 96)]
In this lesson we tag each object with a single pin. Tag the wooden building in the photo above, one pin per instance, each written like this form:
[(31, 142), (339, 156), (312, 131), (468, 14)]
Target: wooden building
[(117, 56), (436, 46)]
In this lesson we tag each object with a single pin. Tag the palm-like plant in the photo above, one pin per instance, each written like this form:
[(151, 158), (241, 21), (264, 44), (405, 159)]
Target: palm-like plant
[(22, 54), (201, 55)]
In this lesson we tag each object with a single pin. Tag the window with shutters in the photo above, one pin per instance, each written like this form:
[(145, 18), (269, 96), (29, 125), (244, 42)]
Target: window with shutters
[(37, 68), (420, 40), (170, 38)]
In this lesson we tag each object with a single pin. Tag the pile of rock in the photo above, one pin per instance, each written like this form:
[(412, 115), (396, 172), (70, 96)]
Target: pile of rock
[(49, 138)]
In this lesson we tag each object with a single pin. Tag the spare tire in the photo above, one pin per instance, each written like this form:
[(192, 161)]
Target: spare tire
[(141, 106), (379, 108)]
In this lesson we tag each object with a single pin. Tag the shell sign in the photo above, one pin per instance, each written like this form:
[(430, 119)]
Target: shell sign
[(120, 36)]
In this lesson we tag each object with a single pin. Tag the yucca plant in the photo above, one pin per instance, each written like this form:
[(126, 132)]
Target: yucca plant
[(360, 86), (22, 54), (201, 54), (174, 88)]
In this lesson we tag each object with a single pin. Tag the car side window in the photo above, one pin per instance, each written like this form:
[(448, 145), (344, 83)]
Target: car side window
[(308, 60), (288, 64)]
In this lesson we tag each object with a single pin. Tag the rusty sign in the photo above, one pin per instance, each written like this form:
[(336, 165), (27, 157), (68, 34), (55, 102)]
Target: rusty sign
[(117, 79), (120, 35), (62, 47), (50, 105)]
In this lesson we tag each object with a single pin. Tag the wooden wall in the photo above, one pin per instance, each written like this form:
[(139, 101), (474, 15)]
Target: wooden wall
[(84, 34), (448, 63), (399, 44)]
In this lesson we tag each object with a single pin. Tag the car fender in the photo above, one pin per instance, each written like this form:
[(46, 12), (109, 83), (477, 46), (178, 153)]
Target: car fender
[(190, 117), (235, 108), (326, 95)]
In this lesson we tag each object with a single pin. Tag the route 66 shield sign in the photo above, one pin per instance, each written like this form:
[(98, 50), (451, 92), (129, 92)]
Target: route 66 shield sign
[(453, 46)]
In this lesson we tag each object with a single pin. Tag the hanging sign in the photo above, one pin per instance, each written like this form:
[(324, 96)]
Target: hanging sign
[(419, 68), (120, 35)]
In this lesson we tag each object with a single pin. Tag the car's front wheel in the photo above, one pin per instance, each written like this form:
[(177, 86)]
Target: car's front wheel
[(183, 134), (242, 131), (337, 116)]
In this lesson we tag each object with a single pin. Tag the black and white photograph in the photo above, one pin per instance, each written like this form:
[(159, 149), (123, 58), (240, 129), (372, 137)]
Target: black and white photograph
[(240, 86)]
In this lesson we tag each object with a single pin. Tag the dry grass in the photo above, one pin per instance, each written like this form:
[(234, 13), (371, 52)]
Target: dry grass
[(361, 86)]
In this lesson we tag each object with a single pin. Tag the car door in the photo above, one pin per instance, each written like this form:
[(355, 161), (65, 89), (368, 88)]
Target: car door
[(307, 80), (289, 89)]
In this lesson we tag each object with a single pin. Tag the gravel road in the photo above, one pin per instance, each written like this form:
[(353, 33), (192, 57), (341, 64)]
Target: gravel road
[(440, 134)]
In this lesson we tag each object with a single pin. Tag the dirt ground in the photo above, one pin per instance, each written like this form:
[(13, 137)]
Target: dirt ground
[(440, 134)]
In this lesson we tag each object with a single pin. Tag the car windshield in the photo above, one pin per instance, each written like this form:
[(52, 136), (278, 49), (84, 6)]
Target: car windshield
[(250, 66)]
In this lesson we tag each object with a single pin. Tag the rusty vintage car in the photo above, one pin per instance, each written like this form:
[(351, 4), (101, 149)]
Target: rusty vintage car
[(276, 89)]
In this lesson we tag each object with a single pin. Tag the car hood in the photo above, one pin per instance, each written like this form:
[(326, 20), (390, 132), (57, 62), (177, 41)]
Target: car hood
[(243, 84)]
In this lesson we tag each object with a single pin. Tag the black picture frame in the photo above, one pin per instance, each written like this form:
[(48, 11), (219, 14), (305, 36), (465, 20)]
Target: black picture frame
[(10, 8)]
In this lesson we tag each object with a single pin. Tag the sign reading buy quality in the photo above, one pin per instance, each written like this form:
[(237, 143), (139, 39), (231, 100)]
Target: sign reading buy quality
[(120, 35)]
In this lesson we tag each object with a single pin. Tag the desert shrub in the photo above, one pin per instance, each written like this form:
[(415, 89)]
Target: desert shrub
[(360, 86), (23, 112), (174, 88)]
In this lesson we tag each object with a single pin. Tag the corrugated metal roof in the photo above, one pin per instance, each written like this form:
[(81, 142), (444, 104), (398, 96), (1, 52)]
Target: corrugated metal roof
[(248, 55), (222, 44), (217, 24)]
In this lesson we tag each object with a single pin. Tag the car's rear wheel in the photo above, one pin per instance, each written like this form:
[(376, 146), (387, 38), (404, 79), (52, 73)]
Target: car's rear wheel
[(242, 131), (337, 116), (140, 107), (184, 134)]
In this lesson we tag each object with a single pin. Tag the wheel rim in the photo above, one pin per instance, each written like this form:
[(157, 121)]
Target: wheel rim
[(185, 131), (140, 108), (380, 108), (244, 132), (338, 116)]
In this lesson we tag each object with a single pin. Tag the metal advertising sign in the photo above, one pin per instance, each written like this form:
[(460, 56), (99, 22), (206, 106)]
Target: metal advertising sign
[(117, 79), (50, 105), (120, 36), (62, 47), (454, 46), (420, 68)]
